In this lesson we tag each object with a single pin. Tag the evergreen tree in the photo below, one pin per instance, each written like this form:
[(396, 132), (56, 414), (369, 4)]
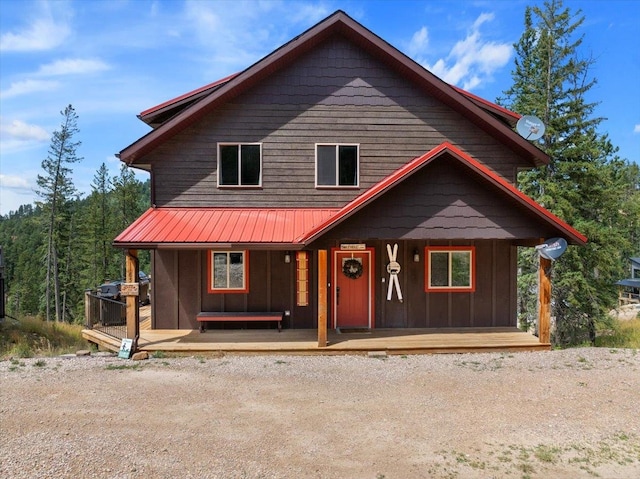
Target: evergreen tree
[(100, 211), (130, 203), (56, 190), (585, 183)]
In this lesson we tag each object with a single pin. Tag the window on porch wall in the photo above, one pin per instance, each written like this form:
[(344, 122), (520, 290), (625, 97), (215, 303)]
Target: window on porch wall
[(228, 272), (450, 269)]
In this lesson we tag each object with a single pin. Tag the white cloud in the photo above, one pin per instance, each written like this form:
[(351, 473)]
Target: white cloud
[(72, 66), (636, 129), (470, 62), (222, 33), (16, 191), (301, 12), (419, 42), (25, 87), (41, 34), (484, 17), (22, 131), (14, 182)]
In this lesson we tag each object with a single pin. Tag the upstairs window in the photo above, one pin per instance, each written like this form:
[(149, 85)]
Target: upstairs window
[(337, 165), (228, 271), (239, 164), (450, 269)]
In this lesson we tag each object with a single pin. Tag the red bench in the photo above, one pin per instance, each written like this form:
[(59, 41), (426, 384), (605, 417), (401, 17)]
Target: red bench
[(211, 316)]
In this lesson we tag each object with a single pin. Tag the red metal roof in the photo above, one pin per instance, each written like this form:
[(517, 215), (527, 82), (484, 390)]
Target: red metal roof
[(573, 235), (211, 227), (296, 227)]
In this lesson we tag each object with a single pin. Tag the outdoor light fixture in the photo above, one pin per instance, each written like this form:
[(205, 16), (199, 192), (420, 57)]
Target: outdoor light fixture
[(287, 257), (416, 256)]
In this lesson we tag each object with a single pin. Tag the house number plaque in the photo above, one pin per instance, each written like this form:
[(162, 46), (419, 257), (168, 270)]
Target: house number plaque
[(353, 247)]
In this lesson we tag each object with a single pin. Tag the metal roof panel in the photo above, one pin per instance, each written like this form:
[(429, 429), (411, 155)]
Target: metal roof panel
[(209, 226)]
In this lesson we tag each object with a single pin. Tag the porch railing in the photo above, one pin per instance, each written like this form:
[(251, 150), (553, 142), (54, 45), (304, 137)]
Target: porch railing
[(626, 297), (105, 315)]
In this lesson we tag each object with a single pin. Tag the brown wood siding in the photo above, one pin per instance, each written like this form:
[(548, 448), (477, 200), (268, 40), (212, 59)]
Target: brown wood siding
[(271, 288), (189, 281), (444, 200), (336, 93), (492, 304), (165, 290), (180, 289)]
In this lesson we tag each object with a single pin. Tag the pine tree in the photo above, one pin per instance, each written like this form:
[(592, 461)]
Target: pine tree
[(130, 203), (585, 183), (99, 222), (56, 190)]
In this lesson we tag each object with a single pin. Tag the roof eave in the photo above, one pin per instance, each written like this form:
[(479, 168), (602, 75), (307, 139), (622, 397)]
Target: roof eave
[(204, 245), (573, 236), (338, 22)]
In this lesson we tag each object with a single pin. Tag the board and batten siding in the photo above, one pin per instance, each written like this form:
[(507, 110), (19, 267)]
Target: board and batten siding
[(180, 289), (337, 93), (493, 304)]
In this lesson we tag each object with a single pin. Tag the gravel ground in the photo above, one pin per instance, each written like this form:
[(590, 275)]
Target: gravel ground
[(570, 414)]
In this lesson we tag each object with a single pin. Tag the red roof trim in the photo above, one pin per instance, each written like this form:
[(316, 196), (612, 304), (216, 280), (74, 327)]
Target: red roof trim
[(187, 95), (408, 169), (492, 106)]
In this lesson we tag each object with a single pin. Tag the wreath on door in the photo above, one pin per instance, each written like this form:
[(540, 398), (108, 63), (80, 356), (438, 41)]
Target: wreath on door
[(352, 268)]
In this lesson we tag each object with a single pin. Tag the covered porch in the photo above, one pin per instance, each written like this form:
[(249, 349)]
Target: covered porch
[(305, 341)]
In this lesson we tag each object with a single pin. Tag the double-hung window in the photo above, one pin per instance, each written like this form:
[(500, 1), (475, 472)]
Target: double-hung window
[(337, 165), (450, 269), (228, 271), (239, 164)]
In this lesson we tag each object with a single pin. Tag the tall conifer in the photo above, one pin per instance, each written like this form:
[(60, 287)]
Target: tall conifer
[(56, 189), (585, 183)]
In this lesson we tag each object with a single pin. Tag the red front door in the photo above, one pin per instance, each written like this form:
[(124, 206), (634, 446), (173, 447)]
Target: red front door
[(352, 291)]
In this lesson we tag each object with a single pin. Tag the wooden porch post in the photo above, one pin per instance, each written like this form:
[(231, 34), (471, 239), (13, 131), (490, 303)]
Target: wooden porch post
[(322, 298), (544, 312), (133, 312)]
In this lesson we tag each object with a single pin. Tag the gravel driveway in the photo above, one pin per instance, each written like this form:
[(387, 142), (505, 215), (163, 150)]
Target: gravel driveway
[(570, 414)]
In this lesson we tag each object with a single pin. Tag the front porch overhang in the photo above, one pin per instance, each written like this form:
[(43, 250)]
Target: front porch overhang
[(220, 228)]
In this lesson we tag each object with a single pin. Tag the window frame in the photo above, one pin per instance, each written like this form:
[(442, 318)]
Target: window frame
[(219, 165), (210, 272), (449, 288), (337, 178)]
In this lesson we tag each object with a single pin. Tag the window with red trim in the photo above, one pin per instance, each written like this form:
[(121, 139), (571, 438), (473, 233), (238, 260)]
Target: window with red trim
[(450, 269), (228, 271)]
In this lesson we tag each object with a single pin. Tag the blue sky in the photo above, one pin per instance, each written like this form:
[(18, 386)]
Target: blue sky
[(113, 59)]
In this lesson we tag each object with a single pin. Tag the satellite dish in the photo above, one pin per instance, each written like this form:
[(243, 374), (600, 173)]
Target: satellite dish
[(552, 248), (530, 127)]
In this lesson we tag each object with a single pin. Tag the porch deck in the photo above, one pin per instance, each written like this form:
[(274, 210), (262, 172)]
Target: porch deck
[(305, 341)]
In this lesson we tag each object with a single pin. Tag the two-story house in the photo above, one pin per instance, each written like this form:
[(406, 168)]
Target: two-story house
[(339, 143)]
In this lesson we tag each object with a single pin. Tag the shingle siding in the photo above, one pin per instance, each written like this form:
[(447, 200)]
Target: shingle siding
[(335, 94)]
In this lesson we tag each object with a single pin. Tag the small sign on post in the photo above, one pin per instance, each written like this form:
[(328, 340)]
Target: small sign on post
[(130, 289)]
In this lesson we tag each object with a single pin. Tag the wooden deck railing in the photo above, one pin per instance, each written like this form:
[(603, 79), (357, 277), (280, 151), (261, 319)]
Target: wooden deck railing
[(626, 297)]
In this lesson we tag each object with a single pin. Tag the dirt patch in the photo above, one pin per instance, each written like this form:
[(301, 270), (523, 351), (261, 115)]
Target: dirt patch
[(567, 413)]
